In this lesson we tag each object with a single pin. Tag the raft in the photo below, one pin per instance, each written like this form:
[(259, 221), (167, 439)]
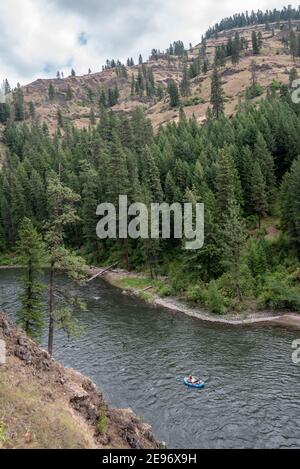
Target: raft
[(199, 385)]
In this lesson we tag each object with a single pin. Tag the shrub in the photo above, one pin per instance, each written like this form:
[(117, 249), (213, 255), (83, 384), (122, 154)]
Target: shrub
[(102, 424), (279, 292), (215, 300), (197, 294), (179, 281), (254, 91), (165, 290), (194, 101), (2, 433)]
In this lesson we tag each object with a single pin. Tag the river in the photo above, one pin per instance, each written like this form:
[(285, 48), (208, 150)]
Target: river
[(139, 355)]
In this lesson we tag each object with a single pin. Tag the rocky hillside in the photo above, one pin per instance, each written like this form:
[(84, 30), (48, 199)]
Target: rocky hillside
[(45, 405), (273, 63)]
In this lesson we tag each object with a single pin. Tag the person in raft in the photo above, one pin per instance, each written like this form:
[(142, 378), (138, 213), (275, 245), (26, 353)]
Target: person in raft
[(193, 380)]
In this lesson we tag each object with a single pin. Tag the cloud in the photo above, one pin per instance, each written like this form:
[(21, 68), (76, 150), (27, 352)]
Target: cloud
[(39, 37)]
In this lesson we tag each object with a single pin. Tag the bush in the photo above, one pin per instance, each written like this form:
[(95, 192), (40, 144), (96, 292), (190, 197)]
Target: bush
[(197, 294), (165, 290), (215, 300), (254, 91), (102, 424), (194, 101), (279, 292), (2, 434), (179, 281)]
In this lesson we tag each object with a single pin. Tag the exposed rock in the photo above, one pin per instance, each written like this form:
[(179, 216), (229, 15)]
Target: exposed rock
[(27, 363)]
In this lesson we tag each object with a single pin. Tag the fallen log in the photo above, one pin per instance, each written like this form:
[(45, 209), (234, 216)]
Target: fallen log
[(102, 272)]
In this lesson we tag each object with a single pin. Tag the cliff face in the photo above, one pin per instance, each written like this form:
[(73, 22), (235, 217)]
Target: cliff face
[(45, 405)]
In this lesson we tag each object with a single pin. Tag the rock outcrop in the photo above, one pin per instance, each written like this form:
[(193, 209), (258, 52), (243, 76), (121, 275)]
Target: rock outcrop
[(40, 397)]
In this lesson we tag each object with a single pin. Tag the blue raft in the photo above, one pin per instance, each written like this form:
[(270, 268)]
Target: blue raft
[(198, 385)]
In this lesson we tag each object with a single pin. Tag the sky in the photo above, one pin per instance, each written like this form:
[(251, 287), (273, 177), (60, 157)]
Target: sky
[(40, 37)]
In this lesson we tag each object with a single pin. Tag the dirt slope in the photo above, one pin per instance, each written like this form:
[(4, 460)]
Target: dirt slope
[(274, 63)]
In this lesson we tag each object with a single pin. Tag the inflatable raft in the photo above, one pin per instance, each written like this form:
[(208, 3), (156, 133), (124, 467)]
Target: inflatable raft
[(197, 385)]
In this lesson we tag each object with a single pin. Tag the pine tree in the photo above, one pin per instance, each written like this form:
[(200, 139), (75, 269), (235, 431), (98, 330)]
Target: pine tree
[(60, 119), (92, 117), (7, 88), (290, 207), (32, 110), (258, 193), (227, 182), (173, 93), (216, 99), (232, 242), (236, 49), (293, 44), (185, 86), (69, 95), (51, 91), (256, 44), (30, 251), (61, 214), (18, 100), (293, 75), (151, 177)]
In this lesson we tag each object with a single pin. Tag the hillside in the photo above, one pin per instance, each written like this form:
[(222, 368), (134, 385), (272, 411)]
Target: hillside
[(273, 63), (44, 405)]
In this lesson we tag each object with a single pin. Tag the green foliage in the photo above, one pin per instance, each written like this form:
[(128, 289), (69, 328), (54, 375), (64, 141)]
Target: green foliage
[(254, 91), (217, 94), (165, 290), (280, 292), (215, 300), (197, 294), (3, 437), (173, 93), (102, 423), (30, 254), (193, 101), (232, 165)]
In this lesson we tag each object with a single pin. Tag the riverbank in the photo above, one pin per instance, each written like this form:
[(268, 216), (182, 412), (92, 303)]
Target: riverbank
[(45, 405), (138, 285)]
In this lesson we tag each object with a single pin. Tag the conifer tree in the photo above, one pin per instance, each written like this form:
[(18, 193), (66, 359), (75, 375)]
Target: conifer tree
[(258, 193), (18, 100), (32, 110), (232, 242), (30, 251), (51, 91), (69, 94), (256, 43), (236, 49), (173, 93), (61, 214), (216, 99), (92, 117), (185, 86), (293, 75)]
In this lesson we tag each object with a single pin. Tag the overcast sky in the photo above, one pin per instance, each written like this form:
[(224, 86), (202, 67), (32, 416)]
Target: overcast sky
[(39, 37)]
